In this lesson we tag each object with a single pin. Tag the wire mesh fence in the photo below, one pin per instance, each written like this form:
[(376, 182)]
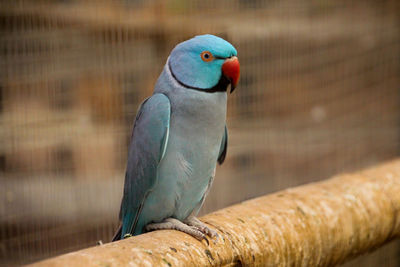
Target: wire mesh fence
[(319, 94)]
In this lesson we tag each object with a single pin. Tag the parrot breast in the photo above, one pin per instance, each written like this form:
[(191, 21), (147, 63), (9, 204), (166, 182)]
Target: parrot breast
[(197, 125)]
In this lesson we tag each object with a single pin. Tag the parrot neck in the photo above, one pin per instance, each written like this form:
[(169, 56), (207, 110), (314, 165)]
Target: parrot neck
[(221, 86)]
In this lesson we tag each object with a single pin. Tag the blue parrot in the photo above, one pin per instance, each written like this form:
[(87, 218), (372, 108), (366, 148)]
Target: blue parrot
[(178, 137)]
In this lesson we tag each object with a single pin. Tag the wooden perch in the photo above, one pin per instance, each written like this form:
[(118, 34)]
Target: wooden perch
[(320, 224)]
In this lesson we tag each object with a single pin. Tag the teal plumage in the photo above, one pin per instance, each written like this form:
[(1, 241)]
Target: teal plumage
[(179, 135)]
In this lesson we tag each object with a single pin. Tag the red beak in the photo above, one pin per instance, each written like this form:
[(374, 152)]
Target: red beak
[(231, 70)]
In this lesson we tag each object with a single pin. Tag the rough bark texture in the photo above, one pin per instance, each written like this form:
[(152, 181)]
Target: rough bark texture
[(320, 224)]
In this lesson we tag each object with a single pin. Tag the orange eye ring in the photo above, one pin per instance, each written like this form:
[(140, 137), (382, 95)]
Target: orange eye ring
[(207, 56)]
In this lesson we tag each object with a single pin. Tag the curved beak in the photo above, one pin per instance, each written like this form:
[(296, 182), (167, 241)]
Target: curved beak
[(231, 70)]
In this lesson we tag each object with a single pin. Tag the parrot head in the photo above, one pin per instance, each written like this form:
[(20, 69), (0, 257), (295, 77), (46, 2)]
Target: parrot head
[(206, 63)]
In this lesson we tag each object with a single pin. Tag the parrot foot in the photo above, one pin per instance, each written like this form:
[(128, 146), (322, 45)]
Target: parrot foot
[(202, 227), (127, 236), (175, 224)]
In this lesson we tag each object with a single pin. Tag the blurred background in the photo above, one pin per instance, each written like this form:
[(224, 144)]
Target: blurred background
[(319, 95)]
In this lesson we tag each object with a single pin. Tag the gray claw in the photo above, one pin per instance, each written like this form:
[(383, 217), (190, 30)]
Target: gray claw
[(206, 239)]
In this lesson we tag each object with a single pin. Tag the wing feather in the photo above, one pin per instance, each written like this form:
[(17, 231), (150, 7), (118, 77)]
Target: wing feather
[(224, 147), (148, 145)]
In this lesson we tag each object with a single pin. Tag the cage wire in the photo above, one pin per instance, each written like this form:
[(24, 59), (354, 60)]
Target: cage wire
[(319, 94)]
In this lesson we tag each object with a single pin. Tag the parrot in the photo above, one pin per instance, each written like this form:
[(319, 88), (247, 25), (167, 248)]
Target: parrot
[(179, 135)]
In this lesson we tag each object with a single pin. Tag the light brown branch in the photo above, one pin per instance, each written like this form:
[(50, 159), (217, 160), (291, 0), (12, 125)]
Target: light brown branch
[(320, 224)]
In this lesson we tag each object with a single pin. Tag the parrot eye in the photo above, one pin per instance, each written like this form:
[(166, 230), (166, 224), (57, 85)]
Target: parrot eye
[(206, 56)]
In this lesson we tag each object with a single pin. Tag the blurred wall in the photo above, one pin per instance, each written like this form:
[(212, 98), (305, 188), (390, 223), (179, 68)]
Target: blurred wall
[(319, 94)]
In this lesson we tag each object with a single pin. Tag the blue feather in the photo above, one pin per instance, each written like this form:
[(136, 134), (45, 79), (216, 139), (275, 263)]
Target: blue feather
[(147, 148)]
